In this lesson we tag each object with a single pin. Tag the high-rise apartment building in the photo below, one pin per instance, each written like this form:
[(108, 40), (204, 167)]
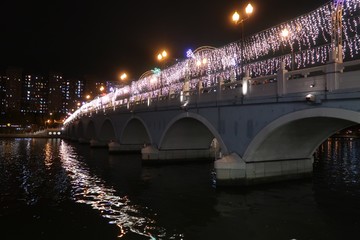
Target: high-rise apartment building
[(72, 94), (3, 102), (55, 100), (35, 94), (34, 98), (10, 90)]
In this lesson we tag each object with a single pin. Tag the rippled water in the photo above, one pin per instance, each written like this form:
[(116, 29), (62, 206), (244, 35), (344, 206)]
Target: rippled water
[(54, 189)]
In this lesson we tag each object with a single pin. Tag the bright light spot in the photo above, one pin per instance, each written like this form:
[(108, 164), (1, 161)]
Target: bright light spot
[(156, 70), (123, 76), (181, 96), (190, 54), (249, 9), (245, 87), (236, 17), (284, 33), (153, 80), (164, 54)]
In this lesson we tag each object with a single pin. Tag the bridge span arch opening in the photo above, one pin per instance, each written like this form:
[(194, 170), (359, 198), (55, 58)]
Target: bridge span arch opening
[(187, 137), (107, 131), (90, 132), (134, 135), (284, 148), (299, 134), (80, 130)]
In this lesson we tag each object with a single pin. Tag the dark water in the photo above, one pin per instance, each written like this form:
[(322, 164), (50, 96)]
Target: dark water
[(54, 189)]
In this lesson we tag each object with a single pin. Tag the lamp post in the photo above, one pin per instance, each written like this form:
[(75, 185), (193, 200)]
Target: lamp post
[(238, 19), (47, 123), (123, 77), (161, 57), (101, 89), (200, 63), (285, 33)]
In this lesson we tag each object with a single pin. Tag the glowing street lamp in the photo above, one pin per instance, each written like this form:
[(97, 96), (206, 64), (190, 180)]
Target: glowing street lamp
[(47, 123), (161, 58), (285, 34), (123, 76), (101, 88), (248, 11), (238, 19)]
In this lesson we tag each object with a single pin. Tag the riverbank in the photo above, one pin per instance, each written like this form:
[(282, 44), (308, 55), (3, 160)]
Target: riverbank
[(46, 133)]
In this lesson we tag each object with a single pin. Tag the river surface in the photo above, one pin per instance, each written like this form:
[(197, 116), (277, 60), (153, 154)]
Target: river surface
[(56, 189)]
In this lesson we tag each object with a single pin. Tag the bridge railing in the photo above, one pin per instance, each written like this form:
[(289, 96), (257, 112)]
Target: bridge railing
[(300, 81)]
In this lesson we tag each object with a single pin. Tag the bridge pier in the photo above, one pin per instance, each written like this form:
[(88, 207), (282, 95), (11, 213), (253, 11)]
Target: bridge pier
[(97, 143), (151, 153), (83, 140), (118, 147), (233, 170)]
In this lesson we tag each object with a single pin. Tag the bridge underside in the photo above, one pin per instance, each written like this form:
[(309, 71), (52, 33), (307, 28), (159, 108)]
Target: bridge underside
[(186, 139), (133, 138), (284, 152)]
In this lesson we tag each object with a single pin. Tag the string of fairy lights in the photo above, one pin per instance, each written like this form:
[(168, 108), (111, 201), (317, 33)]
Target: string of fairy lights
[(308, 43)]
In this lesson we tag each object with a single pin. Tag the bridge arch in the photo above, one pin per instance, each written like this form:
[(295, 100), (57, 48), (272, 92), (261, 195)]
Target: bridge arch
[(107, 131), (135, 132), (80, 129), (73, 132), (297, 135), (90, 132), (190, 131)]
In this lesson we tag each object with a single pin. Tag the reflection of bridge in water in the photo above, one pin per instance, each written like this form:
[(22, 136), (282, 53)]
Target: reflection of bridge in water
[(266, 118)]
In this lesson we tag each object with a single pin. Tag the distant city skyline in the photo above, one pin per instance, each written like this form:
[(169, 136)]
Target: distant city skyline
[(39, 99)]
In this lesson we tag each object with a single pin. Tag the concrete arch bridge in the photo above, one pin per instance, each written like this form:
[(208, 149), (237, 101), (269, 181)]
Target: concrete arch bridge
[(259, 108), (268, 133)]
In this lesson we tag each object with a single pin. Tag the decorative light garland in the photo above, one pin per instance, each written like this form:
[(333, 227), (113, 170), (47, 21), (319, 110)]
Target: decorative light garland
[(307, 44)]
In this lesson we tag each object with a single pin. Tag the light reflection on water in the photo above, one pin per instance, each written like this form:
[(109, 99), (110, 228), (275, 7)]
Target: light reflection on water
[(55, 187), (92, 190), (340, 161)]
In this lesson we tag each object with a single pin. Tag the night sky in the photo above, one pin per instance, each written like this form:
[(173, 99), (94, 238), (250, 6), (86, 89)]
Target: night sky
[(105, 37)]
